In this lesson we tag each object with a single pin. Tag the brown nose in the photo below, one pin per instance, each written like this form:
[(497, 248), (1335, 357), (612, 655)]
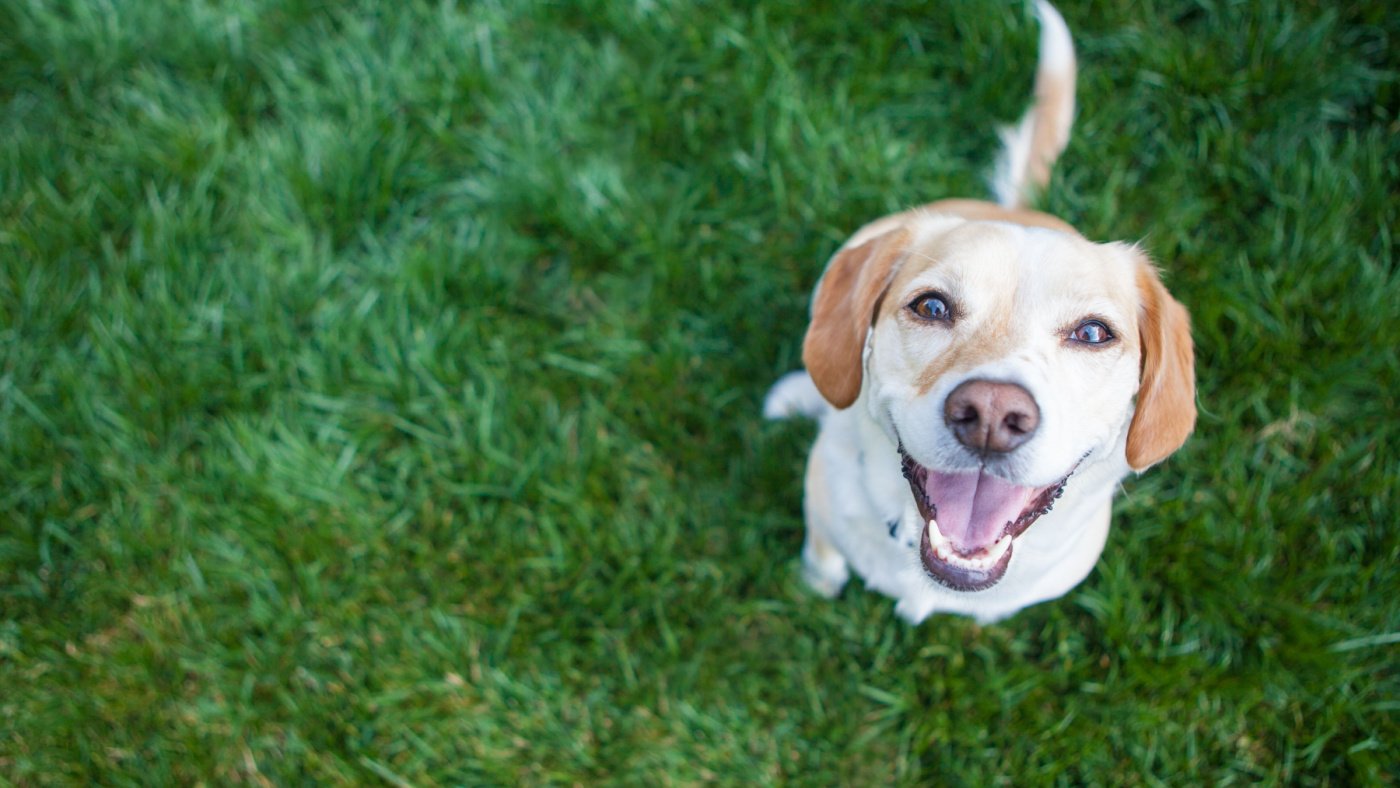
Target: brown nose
[(991, 417)]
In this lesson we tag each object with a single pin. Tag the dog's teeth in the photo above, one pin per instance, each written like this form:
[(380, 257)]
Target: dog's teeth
[(999, 549), (935, 536), (981, 561)]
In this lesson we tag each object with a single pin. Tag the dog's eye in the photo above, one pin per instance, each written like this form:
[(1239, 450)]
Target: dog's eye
[(931, 306), (1091, 332)]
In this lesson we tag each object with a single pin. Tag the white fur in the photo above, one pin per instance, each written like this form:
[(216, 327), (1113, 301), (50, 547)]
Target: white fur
[(1056, 43), (1009, 171), (794, 395)]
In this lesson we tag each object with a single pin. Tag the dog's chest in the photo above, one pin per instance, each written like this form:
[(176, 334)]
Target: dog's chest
[(877, 526)]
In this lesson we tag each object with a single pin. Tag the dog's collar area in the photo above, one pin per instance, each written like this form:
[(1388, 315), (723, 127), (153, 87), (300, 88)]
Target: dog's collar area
[(983, 517)]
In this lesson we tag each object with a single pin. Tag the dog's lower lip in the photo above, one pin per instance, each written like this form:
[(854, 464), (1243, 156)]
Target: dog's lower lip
[(960, 574)]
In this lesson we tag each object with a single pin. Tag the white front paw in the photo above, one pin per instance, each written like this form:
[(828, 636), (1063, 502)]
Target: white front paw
[(824, 581), (911, 611)]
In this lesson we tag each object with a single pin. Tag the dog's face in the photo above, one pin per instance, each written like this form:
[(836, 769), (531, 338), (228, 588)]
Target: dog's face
[(999, 358)]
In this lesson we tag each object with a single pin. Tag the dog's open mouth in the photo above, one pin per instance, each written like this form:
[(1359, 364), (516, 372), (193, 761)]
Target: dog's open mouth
[(972, 520)]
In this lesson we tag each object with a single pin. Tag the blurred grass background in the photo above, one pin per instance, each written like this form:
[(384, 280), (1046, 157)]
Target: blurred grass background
[(379, 392)]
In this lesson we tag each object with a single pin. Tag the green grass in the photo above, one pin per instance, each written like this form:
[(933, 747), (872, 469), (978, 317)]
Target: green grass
[(379, 395)]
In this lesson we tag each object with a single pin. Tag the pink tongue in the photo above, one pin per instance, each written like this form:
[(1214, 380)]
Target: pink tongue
[(974, 507)]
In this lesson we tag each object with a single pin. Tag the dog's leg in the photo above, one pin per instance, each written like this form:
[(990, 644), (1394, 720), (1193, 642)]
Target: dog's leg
[(823, 566)]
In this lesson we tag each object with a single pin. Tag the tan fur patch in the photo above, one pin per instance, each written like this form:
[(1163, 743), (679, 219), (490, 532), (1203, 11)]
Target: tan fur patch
[(842, 312), (980, 210), (1054, 98), (992, 341), (1166, 402)]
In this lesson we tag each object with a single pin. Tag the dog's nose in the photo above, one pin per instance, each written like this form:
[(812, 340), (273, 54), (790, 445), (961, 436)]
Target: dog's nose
[(991, 417)]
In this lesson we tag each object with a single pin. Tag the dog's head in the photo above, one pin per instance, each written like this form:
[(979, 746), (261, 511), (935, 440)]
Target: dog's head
[(998, 357)]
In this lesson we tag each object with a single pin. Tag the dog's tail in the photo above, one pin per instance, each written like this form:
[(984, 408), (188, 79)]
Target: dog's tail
[(1032, 145), (794, 395)]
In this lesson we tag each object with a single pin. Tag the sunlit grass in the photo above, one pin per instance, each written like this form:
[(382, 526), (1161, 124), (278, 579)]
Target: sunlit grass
[(379, 395)]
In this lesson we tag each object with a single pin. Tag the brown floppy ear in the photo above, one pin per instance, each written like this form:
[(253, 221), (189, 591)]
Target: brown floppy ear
[(847, 297), (1166, 401)]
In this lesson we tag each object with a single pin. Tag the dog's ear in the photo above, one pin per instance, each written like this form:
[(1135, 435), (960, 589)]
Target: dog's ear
[(1166, 400), (845, 304)]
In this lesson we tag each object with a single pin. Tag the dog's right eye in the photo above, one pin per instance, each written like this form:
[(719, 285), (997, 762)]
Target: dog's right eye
[(931, 306)]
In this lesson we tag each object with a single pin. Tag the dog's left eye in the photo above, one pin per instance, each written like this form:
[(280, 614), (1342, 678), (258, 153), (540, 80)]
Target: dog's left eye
[(931, 306), (1091, 332)]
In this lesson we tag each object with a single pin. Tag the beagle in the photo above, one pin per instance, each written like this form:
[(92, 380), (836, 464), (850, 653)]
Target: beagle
[(983, 377)]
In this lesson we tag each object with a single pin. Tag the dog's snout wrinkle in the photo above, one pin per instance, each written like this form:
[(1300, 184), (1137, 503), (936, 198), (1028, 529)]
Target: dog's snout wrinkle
[(991, 417)]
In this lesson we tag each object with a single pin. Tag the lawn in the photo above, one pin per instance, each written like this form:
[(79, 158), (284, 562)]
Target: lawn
[(380, 388)]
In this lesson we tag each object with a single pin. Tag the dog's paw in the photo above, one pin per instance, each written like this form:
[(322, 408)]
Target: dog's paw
[(823, 568), (912, 612), (826, 583)]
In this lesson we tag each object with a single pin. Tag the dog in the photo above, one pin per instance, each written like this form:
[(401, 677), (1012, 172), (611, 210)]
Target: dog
[(984, 377)]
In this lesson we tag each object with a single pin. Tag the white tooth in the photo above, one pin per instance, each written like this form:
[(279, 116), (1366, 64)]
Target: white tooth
[(982, 561), (999, 549), (935, 536), (937, 540)]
